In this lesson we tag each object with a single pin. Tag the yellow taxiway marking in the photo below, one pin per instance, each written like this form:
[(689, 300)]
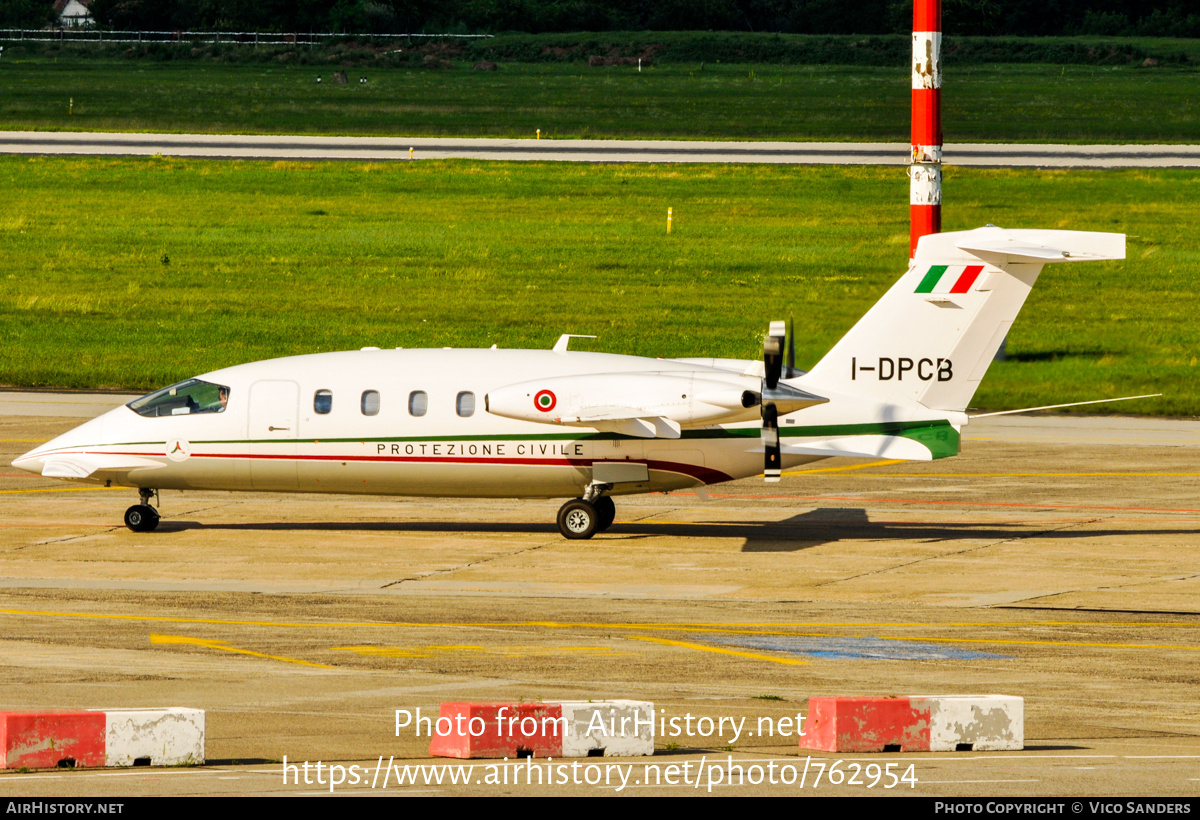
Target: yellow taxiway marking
[(1014, 475), (211, 644), (703, 648), (61, 490), (507, 651), (751, 628), (844, 469)]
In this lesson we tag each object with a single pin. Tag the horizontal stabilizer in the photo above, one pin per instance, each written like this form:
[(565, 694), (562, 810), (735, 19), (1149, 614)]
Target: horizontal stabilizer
[(1041, 247)]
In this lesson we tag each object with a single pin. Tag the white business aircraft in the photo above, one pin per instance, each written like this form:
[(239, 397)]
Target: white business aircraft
[(583, 426)]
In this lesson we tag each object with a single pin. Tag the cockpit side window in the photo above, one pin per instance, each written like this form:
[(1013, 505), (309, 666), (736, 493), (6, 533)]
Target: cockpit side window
[(183, 399)]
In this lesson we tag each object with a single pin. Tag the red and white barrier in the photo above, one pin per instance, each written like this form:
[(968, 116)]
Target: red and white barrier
[(94, 738), (622, 728), (915, 724)]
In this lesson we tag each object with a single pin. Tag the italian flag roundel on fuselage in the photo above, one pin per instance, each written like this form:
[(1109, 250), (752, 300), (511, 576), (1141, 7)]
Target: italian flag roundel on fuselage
[(545, 401)]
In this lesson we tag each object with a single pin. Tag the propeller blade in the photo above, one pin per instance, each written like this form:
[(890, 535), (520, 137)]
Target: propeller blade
[(770, 438), (789, 370), (773, 353)]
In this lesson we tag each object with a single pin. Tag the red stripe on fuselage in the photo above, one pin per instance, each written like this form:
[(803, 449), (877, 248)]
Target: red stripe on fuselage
[(708, 476)]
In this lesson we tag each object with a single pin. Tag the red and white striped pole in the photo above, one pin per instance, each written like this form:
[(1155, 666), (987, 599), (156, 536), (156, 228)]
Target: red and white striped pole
[(925, 173)]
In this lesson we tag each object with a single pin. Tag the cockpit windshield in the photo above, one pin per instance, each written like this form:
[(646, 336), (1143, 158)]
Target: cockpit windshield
[(183, 399)]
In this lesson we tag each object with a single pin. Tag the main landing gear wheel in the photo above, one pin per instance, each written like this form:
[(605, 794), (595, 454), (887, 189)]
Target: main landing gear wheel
[(141, 518), (578, 519), (606, 512)]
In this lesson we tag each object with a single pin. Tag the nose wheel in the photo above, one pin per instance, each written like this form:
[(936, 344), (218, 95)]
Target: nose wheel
[(142, 517), (579, 519)]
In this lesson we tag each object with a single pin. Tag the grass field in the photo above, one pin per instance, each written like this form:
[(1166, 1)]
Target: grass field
[(137, 273), (983, 103)]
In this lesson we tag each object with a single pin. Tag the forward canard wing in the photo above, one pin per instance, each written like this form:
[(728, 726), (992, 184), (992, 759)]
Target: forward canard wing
[(95, 466)]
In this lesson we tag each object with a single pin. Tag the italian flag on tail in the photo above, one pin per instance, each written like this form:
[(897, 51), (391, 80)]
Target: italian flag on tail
[(949, 278)]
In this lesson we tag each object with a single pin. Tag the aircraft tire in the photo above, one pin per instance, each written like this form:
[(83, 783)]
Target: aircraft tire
[(141, 518), (606, 512), (577, 519)]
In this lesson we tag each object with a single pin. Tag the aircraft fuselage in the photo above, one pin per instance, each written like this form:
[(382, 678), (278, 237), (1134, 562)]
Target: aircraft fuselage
[(412, 422)]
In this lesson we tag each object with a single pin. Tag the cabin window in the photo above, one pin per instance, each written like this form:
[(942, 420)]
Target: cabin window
[(183, 399), (418, 403), (370, 403), (465, 404), (323, 401)]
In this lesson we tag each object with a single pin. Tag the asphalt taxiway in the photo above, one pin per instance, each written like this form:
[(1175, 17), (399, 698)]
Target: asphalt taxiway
[(1057, 558)]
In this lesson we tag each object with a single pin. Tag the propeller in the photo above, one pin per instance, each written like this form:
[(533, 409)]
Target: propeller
[(776, 396), (773, 362)]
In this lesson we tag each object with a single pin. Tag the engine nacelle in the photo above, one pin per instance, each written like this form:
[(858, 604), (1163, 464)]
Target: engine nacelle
[(684, 398)]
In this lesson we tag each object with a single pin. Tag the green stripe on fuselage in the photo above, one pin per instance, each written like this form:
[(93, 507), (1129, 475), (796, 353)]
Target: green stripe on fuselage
[(936, 434)]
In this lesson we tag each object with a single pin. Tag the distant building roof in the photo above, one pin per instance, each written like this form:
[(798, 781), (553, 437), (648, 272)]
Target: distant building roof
[(73, 12)]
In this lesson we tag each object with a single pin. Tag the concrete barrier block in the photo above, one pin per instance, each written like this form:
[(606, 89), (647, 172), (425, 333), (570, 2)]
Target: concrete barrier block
[(156, 737), (979, 723), (923, 723), (612, 728), (865, 725), (45, 740), (498, 730)]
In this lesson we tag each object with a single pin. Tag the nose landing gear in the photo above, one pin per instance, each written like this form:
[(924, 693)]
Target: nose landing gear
[(142, 517)]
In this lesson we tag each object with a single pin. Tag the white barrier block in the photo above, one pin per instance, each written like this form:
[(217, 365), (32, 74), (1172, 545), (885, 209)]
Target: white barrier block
[(613, 728), (167, 737), (987, 723)]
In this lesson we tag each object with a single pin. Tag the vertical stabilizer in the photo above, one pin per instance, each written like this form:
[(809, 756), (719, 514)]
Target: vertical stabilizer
[(932, 336)]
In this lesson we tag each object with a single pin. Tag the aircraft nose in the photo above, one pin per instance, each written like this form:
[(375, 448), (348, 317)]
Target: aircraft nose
[(33, 461)]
